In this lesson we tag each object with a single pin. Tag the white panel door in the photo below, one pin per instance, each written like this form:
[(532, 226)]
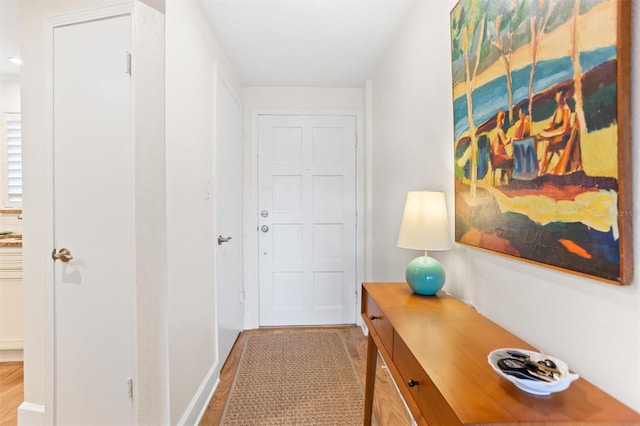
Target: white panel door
[(228, 220), (307, 219), (93, 183)]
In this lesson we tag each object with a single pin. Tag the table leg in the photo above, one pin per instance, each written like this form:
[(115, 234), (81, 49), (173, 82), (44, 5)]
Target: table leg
[(372, 358)]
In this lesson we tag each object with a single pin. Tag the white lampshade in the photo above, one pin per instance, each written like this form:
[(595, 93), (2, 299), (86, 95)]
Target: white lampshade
[(425, 224)]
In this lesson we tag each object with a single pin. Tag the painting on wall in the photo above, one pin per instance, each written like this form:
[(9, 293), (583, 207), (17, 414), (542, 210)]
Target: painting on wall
[(542, 142)]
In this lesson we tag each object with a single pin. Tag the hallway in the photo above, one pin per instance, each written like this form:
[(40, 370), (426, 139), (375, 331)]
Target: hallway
[(388, 406)]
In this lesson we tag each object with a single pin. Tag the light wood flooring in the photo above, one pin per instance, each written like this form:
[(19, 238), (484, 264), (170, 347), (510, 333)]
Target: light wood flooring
[(388, 407), (11, 393)]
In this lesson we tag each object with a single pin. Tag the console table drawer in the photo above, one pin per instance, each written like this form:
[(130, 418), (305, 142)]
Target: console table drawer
[(379, 322), (432, 404)]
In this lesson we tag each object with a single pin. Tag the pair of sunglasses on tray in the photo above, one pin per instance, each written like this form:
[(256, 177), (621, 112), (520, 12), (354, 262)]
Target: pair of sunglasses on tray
[(520, 365)]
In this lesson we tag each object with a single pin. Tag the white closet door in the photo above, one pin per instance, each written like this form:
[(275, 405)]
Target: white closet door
[(228, 210), (93, 180)]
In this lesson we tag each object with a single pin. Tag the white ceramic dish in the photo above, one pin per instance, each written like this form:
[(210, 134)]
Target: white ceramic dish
[(534, 386)]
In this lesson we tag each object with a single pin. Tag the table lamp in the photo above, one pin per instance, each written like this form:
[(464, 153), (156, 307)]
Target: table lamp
[(425, 226)]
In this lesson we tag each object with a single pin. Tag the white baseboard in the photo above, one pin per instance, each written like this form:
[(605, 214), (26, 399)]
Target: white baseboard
[(11, 355), (364, 328), (11, 344), (198, 405), (31, 414)]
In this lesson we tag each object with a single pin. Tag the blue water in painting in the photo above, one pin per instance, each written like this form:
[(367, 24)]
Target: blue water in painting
[(491, 97)]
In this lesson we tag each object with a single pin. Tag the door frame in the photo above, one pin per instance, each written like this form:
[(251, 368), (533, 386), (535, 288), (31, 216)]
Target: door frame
[(251, 257), (49, 278)]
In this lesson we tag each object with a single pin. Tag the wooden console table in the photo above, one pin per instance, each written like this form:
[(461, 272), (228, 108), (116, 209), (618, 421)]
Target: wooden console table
[(436, 349)]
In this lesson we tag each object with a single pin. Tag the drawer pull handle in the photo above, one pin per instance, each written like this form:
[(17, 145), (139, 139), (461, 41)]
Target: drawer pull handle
[(373, 317), (413, 383)]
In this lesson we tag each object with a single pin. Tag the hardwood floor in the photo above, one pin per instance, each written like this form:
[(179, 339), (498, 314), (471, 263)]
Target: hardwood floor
[(11, 392), (388, 407)]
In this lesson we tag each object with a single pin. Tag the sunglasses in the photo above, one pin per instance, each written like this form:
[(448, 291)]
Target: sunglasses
[(520, 365)]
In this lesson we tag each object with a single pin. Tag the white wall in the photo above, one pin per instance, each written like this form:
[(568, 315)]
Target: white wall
[(192, 58), (152, 352), (9, 93), (282, 99), (301, 97), (593, 326), (152, 380)]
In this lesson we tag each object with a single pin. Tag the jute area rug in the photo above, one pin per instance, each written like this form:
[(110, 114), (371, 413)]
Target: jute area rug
[(296, 378)]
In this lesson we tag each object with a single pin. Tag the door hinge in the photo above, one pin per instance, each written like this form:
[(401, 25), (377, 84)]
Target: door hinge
[(128, 63), (130, 388)]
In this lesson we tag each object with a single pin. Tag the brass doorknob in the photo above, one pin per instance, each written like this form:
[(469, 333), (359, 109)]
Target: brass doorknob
[(64, 255)]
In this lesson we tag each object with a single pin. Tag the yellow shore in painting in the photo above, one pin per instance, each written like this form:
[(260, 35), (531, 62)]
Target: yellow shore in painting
[(595, 209), (598, 157)]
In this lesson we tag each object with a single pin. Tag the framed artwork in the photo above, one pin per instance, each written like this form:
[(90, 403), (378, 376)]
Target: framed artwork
[(542, 139)]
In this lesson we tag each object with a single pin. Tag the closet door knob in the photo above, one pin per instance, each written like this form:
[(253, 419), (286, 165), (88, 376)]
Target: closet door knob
[(63, 255)]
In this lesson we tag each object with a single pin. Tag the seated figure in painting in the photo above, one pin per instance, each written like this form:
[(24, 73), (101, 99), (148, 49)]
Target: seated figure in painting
[(500, 157), (560, 120), (556, 136), (522, 127), (525, 160)]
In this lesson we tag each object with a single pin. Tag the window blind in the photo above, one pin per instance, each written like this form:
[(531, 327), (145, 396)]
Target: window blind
[(12, 157)]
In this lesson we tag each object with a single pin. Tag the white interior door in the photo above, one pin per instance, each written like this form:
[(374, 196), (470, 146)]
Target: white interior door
[(307, 219), (228, 218), (93, 183)]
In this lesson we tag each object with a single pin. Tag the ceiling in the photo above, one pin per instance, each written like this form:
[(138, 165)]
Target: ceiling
[(307, 43)]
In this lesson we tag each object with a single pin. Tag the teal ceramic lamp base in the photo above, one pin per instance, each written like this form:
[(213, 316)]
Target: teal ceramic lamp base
[(425, 275)]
